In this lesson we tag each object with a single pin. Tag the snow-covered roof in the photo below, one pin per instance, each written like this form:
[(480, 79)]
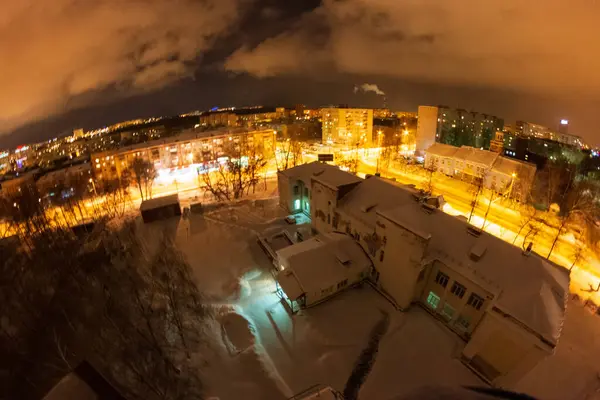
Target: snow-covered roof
[(478, 156), (329, 175), (320, 262), (442, 150), (529, 288), (159, 202), (373, 194), (508, 166)]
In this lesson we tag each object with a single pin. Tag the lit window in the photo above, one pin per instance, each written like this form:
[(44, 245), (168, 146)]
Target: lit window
[(297, 204), (433, 300)]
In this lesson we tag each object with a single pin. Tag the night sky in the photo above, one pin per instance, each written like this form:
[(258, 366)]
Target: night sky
[(76, 63)]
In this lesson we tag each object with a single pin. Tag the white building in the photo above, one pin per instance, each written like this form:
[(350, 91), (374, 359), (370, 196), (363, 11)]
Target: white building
[(318, 268), (502, 174), (508, 305), (347, 126)]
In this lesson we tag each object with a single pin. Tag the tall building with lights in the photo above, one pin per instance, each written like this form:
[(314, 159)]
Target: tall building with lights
[(348, 126), (456, 127)]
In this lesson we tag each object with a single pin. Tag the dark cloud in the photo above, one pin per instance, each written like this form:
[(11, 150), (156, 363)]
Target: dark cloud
[(522, 45), (54, 51)]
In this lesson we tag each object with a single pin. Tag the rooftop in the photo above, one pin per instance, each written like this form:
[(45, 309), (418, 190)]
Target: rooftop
[(320, 262), (374, 194), (442, 150), (327, 174), (159, 202), (478, 156), (509, 166)]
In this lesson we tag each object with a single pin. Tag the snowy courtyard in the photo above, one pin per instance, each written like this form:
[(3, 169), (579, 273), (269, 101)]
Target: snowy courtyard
[(264, 352)]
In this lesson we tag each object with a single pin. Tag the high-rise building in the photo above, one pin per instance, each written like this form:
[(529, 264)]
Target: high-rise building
[(348, 126), (427, 124), (456, 127), (563, 127)]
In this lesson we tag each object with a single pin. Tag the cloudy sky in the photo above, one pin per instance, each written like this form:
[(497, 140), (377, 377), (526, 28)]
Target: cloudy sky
[(71, 63)]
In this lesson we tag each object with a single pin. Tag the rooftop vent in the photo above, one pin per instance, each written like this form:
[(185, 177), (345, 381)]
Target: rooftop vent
[(527, 251), (368, 207), (471, 230), (477, 251), (427, 208), (318, 173)]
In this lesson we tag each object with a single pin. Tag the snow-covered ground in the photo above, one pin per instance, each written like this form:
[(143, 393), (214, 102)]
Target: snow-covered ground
[(265, 353)]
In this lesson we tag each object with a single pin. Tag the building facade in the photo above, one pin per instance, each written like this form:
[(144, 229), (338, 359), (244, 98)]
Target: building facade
[(506, 304), (456, 127), (503, 175), (203, 150), (347, 126)]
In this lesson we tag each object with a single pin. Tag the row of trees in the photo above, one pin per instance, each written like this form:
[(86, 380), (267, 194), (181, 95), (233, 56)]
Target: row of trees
[(127, 306)]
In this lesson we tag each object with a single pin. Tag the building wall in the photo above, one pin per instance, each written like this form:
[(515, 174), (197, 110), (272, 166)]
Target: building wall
[(323, 204), (506, 347), (204, 151), (347, 126), (426, 128), (399, 267), (450, 303)]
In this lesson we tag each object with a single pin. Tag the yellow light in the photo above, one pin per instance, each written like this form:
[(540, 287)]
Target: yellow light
[(405, 133), (514, 175)]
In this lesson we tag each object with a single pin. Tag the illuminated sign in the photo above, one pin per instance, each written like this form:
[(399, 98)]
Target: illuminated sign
[(564, 122), (4, 154)]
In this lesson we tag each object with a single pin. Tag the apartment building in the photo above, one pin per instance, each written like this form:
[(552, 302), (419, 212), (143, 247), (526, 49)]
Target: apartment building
[(456, 127), (507, 305), (204, 150), (347, 126)]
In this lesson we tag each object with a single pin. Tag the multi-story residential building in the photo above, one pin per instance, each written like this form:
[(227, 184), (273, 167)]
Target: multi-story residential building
[(64, 178), (531, 130), (506, 304), (347, 126), (501, 174), (203, 150), (427, 127), (216, 119), (456, 127)]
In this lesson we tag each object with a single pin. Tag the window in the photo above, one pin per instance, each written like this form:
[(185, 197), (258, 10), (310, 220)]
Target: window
[(441, 279), (433, 300), (421, 275), (342, 284), (448, 311), (463, 322), (475, 301), (458, 290), (296, 190), (381, 255), (297, 204), (336, 218), (328, 219), (305, 192)]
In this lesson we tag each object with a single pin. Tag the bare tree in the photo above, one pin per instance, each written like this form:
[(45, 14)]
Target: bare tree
[(579, 201), (288, 153), (527, 215), (234, 178), (143, 174), (138, 317)]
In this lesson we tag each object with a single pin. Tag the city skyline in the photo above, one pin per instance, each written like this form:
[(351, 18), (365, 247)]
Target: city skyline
[(173, 58)]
